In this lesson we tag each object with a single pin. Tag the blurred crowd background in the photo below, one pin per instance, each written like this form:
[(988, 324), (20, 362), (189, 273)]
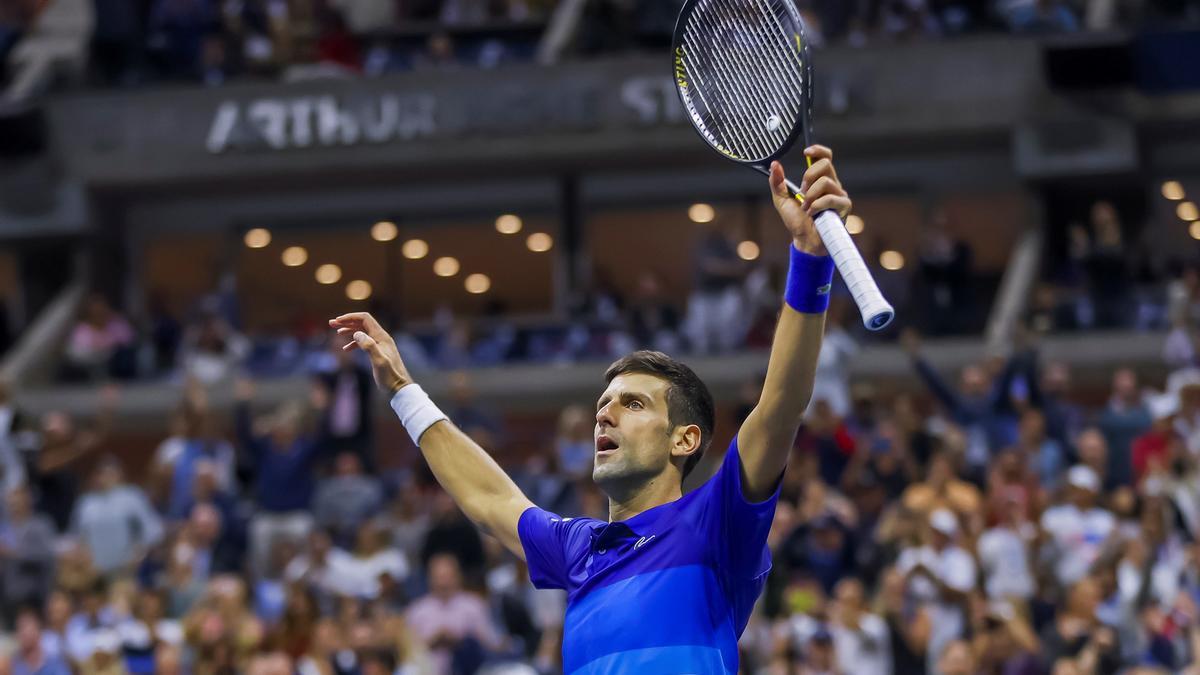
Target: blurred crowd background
[(197, 479)]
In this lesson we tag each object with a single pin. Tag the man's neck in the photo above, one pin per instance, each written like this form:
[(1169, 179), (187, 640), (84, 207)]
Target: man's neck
[(660, 490)]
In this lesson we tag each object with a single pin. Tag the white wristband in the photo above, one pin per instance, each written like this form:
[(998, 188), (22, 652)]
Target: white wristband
[(416, 411)]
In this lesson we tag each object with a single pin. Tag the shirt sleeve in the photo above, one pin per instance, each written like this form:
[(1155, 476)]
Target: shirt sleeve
[(552, 546), (738, 527)]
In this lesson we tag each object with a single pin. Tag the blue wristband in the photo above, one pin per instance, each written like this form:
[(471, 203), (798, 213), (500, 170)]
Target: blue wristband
[(809, 280)]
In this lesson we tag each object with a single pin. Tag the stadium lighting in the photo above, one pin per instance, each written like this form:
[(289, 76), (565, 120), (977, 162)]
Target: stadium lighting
[(477, 284), (258, 238), (748, 250), (415, 249), (702, 213), (855, 224), (358, 290), (384, 230), (1173, 190), (445, 267), (1194, 229), (891, 261), (1187, 211), (328, 274), (294, 256), (509, 224), (539, 242)]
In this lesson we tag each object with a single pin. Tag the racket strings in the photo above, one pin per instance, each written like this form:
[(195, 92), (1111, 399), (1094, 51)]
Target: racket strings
[(733, 103), (750, 90), (721, 102), (753, 69), (786, 104)]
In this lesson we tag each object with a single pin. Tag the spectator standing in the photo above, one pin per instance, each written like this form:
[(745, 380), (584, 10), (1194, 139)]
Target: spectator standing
[(456, 625), (26, 551), (1126, 417), (115, 520)]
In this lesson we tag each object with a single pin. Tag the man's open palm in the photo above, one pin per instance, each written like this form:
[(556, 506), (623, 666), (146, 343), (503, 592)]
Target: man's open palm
[(369, 336)]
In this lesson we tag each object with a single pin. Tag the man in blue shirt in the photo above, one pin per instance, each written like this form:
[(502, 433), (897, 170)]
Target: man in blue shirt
[(667, 584)]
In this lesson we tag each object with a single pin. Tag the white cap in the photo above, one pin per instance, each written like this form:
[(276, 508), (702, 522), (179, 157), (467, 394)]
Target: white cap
[(1084, 478), (943, 521)]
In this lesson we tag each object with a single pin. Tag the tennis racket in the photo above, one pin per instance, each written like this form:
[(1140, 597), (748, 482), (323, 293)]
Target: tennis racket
[(745, 76)]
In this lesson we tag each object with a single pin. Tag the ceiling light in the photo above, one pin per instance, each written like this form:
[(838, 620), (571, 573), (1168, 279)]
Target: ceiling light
[(748, 250), (415, 249), (478, 283), (1173, 190), (294, 256), (328, 274), (1187, 211), (702, 213), (855, 224), (539, 242), (508, 224), (891, 261), (258, 238), (358, 290), (384, 230), (445, 267)]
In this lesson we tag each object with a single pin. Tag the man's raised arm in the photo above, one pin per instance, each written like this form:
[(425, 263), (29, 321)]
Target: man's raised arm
[(480, 487), (766, 437)]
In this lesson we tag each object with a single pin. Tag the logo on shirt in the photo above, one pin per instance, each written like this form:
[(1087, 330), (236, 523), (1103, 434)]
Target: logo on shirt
[(643, 541)]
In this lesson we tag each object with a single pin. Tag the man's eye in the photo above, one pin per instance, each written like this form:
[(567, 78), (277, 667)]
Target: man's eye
[(635, 404)]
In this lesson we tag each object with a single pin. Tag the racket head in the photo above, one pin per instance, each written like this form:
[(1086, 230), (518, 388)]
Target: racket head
[(743, 72)]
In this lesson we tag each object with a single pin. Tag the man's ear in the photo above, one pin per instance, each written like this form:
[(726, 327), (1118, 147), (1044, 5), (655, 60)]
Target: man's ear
[(685, 440)]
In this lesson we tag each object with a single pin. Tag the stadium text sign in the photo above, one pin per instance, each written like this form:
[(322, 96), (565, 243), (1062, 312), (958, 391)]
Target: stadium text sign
[(272, 123), (281, 123)]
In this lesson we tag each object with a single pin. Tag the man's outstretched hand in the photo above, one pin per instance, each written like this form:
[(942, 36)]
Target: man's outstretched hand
[(366, 334)]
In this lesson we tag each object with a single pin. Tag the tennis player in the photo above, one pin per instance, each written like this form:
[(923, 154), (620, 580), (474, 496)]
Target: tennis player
[(667, 584)]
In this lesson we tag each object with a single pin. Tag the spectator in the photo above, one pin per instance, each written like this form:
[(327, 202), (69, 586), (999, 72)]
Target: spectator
[(26, 551), (860, 638), (141, 634), (115, 521), (941, 489), (452, 533), (653, 319), (1076, 631), (1077, 529), (347, 499), (942, 574), (30, 658), (455, 624), (945, 276), (574, 443), (832, 383), (350, 391), (1126, 418), (714, 322), (1036, 448), (359, 574), (1005, 553), (62, 450), (365, 17), (101, 345), (283, 459), (198, 448), (982, 405), (212, 348)]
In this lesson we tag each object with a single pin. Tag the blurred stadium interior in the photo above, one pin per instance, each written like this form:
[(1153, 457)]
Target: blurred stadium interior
[(190, 188)]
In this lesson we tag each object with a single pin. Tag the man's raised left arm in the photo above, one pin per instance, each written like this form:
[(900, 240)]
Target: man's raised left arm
[(766, 437)]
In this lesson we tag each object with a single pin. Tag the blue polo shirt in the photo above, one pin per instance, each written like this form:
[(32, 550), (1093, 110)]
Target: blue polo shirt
[(668, 591)]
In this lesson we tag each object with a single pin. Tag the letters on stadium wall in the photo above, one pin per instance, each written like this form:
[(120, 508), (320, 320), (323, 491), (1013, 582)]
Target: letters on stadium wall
[(329, 120)]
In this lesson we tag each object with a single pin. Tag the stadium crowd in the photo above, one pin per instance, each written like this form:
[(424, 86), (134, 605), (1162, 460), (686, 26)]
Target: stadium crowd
[(140, 41), (993, 524)]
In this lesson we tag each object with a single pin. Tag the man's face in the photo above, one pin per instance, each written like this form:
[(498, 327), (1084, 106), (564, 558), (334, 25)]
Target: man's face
[(632, 435)]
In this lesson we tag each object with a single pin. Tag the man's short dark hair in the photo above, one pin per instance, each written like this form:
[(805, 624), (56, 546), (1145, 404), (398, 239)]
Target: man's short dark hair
[(688, 399)]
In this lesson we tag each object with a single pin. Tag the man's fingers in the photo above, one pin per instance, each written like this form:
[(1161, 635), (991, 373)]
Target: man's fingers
[(820, 169), (836, 203), (818, 152), (823, 187)]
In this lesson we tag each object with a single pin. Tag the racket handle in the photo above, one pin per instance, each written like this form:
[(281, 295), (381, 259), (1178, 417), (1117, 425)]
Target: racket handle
[(876, 312)]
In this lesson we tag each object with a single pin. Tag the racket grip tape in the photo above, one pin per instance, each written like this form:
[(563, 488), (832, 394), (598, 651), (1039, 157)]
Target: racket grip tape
[(876, 312)]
